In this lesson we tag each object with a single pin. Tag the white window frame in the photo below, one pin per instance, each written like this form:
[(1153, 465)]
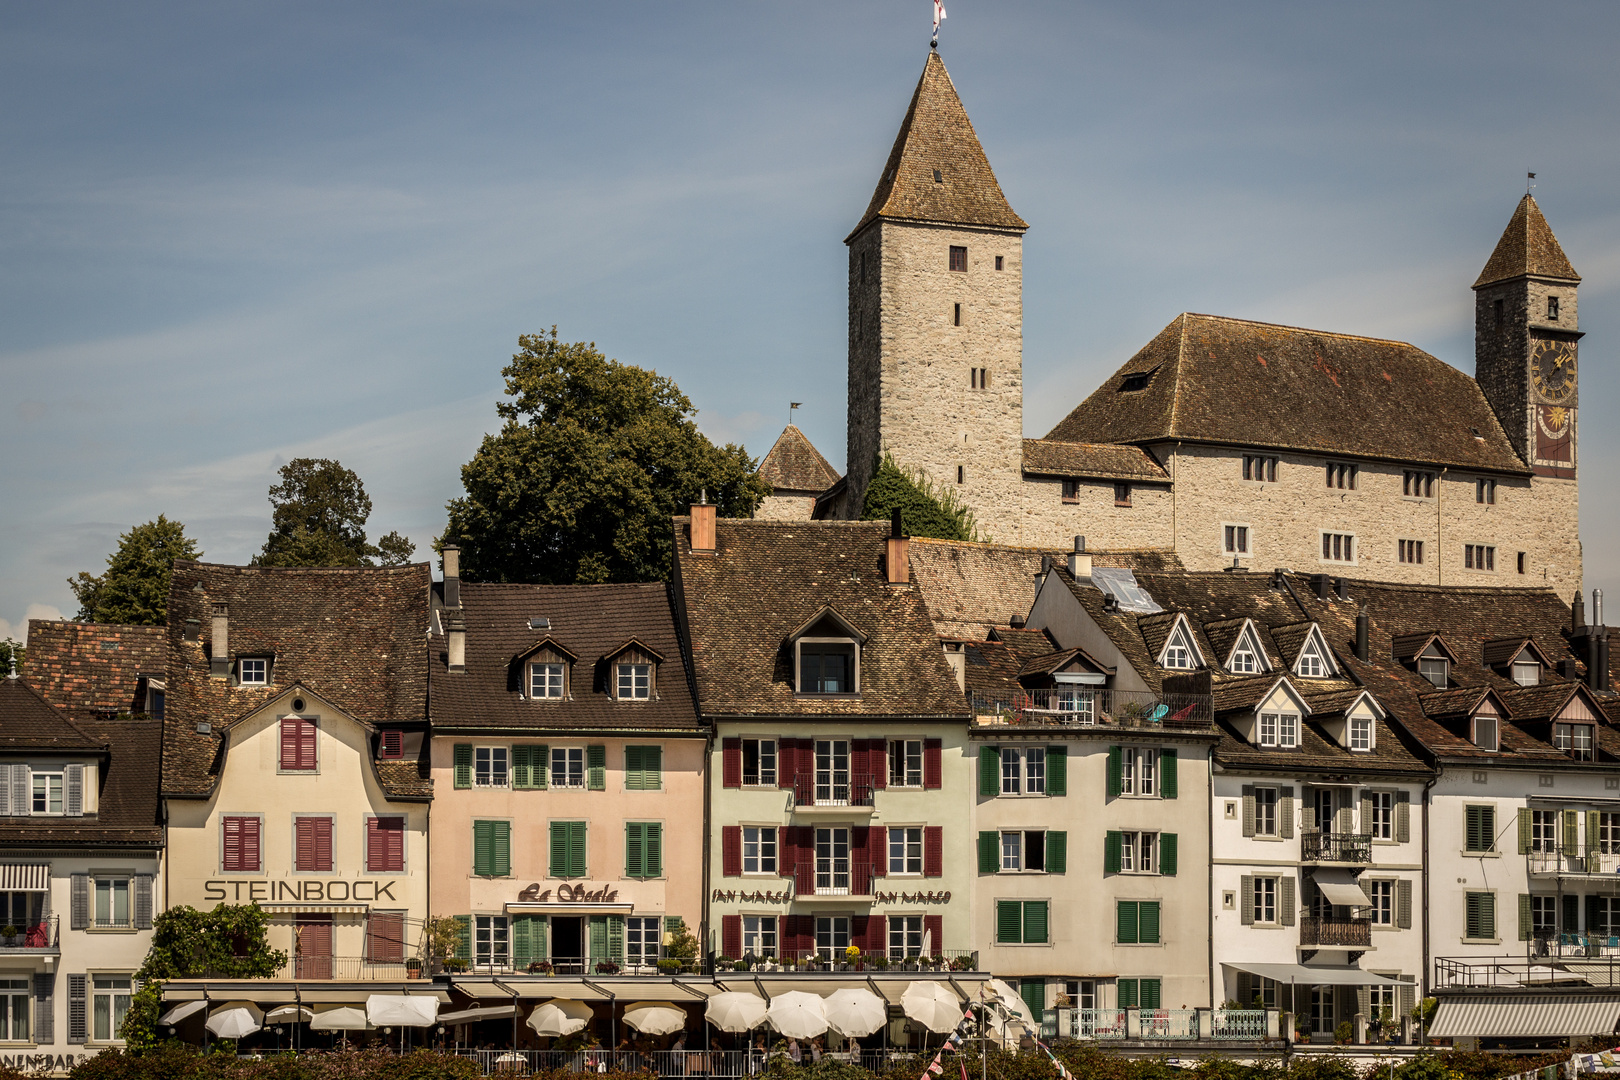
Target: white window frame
[(1526, 673), (1360, 733), (1015, 851), (259, 665), (909, 853), (487, 929), (634, 681), (569, 756), (905, 936), (550, 678), (1139, 772), (1139, 852), (1266, 900), (832, 936), (760, 935), (113, 882), (855, 665), (1443, 670), (1544, 831), (901, 761), (56, 778), (1029, 765), (643, 940), (763, 749), (111, 994), (1382, 807), (1266, 811), (16, 1004), (1578, 740), (1278, 728), (485, 759), (1180, 647), (764, 847), (1494, 723)]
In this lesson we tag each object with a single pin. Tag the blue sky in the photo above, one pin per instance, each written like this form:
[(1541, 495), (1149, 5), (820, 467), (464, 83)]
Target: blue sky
[(233, 234)]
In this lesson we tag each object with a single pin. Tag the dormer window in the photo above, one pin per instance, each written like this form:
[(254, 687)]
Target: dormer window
[(1247, 657), (1279, 729), (392, 745), (1485, 732), (827, 656), (1527, 673), (635, 682), (47, 793), (1437, 669), (1243, 662), (1311, 664), (1576, 740), (253, 671), (545, 680), (631, 673), (1180, 653), (1361, 733)]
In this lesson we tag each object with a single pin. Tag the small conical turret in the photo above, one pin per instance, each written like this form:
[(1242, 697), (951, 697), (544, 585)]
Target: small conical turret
[(1528, 247)]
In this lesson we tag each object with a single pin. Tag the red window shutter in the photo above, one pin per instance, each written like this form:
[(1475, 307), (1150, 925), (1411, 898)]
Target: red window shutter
[(233, 843), (934, 930), (289, 742), (731, 936), (393, 744), (932, 765), (323, 844), (731, 755), (385, 938), (858, 930), (880, 850), (385, 844), (933, 851), (306, 744), (878, 762), (250, 844), (877, 935), (860, 761), (396, 843), (304, 845), (804, 858), (297, 744), (860, 862), (731, 851)]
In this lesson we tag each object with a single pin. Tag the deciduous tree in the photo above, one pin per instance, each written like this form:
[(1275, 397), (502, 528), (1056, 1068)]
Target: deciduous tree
[(135, 587), (319, 519)]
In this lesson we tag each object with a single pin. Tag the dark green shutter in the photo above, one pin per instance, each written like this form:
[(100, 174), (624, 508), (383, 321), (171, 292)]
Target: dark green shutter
[(1057, 852), (540, 757), (643, 766), (576, 849), (1572, 839), (484, 848), (615, 937), (1148, 922), (1009, 922), (520, 769), (1572, 914), (655, 850), (1167, 854), (559, 848), (596, 768), (1127, 993), (1149, 994), (634, 857), (989, 771), (989, 852), (633, 777), (1126, 922), (463, 762), (1525, 919), (1036, 917), (522, 942), (1112, 843), (1167, 774), (501, 849), (1114, 759), (599, 937), (1033, 991), (463, 937), (1057, 770)]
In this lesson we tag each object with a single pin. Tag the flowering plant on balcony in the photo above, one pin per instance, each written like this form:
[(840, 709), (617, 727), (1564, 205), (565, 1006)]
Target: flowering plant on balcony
[(852, 953), (607, 967)]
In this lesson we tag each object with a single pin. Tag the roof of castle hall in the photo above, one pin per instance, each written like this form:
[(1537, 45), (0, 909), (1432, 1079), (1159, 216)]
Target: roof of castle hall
[(937, 136), (1104, 461), (766, 581), (593, 623), (793, 464), (92, 668), (1527, 247), (353, 635), (1235, 382)]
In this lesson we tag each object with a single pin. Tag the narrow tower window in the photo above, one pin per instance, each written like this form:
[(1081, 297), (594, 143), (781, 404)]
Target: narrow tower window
[(1122, 494), (979, 378), (959, 258), (998, 262), (1552, 307), (1521, 562), (1496, 309), (956, 316), (961, 474)]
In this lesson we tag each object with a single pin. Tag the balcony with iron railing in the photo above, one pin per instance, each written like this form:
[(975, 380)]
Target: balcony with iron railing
[(1095, 707), (1319, 931), (840, 879), (1573, 860), (840, 959), (1320, 846), (36, 938), (836, 792)]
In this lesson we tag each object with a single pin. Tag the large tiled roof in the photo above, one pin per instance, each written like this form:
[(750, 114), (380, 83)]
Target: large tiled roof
[(592, 622), (92, 667), (766, 580), (795, 465), (937, 136), (352, 635), (1239, 383), (28, 722), (1102, 461), (1528, 246)]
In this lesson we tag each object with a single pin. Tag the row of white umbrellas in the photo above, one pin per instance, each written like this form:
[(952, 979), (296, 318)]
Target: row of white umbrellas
[(237, 1019)]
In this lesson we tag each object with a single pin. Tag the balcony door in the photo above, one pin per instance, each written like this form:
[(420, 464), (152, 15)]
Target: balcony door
[(832, 862), (568, 943), (832, 772), (314, 945)]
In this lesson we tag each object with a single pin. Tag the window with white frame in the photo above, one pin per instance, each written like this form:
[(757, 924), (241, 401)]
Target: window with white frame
[(1023, 851), (1179, 654), (1609, 833), (491, 940), (1381, 815), (1543, 916), (635, 682), (47, 793), (1527, 673), (905, 936), (1078, 705), (1437, 669), (252, 671), (643, 935), (759, 849), (1381, 1002), (759, 935), (545, 680), (567, 766), (906, 763), (1382, 895), (109, 1005), (1138, 771), (759, 762), (1265, 899), (1485, 732), (490, 766), (1312, 664), (1245, 659), (112, 903), (1023, 770), (1139, 853), (1574, 740), (1361, 732), (1280, 729), (1265, 811), (832, 861), (832, 935), (905, 849), (1544, 831), (14, 1010)]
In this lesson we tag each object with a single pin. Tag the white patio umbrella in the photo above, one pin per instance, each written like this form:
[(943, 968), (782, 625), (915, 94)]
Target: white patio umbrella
[(399, 1010), (855, 1012), (340, 1018), (655, 1017), (734, 1011), (181, 1011), (234, 1019), (559, 1016), (798, 1015), (289, 1014), (1016, 1007), (932, 1004)]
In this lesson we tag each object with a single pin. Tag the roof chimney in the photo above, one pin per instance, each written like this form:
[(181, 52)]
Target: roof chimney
[(1597, 607), (192, 630), (452, 575), (1577, 612), (897, 559), (1080, 561), (1339, 587), (1016, 622), (1321, 583), (219, 643), (1363, 627), (456, 636), (703, 525)]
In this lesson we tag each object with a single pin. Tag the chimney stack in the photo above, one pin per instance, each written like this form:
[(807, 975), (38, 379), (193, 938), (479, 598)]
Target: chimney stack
[(1577, 613), (219, 643), (1363, 627), (1597, 607), (452, 575), (1340, 588), (457, 642), (1321, 583), (703, 525), (1080, 561), (1597, 647), (897, 559)]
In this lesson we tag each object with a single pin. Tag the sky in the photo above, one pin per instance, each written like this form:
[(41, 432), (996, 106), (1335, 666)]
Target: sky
[(235, 234)]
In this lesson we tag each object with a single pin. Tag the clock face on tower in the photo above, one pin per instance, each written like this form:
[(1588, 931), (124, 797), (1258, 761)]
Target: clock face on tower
[(1552, 369)]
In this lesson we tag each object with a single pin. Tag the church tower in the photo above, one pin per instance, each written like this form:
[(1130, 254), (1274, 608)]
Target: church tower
[(936, 311), (1525, 335)]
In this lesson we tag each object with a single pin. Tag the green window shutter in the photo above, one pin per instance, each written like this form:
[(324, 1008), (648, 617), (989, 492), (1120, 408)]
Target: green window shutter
[(520, 769), (652, 764), (1057, 852), (559, 849), (1488, 914), (1403, 904), (989, 852), (540, 757), (1524, 830), (655, 850), (1127, 993), (1126, 916), (1112, 842), (1035, 921), (1057, 770), (1594, 861), (1167, 774), (1487, 817), (502, 850), (463, 937), (634, 779), (1248, 809), (1286, 906), (634, 849), (1246, 900), (483, 848), (596, 768), (522, 945), (1148, 922), (1033, 991), (1114, 759), (615, 933), (576, 849), (1149, 994), (989, 771), (1474, 921), (672, 924), (599, 937), (1524, 917), (1009, 922), (1572, 840), (463, 762), (1167, 854)]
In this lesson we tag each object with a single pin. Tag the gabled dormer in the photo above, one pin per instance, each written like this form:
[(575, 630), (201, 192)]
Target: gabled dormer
[(1179, 651), (1517, 658), (1305, 650), (826, 652), (1245, 655), (1427, 654), (543, 671), (1276, 720), (1474, 712), (631, 671), (1355, 728)]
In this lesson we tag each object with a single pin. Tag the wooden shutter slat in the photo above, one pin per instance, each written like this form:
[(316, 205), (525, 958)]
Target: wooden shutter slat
[(731, 764), (933, 763), (731, 936), (989, 852), (933, 851), (731, 851), (934, 930), (880, 850)]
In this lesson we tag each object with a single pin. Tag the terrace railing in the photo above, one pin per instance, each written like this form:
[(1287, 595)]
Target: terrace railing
[(1095, 707)]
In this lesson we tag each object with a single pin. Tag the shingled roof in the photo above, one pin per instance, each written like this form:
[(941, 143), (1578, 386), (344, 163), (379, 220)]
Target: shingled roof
[(28, 722), (795, 465), (936, 137), (352, 635), (766, 580), (594, 623), (1234, 382), (1102, 461), (92, 668), (1528, 247)]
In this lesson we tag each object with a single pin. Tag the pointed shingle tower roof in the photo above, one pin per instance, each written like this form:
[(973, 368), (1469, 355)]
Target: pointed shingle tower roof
[(937, 139), (1527, 247), (795, 465)]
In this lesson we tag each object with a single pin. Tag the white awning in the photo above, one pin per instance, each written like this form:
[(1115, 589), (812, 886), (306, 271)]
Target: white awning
[(315, 909), (180, 1012), (1310, 975), (487, 1012), (1518, 1014), (1346, 895), (19, 877)]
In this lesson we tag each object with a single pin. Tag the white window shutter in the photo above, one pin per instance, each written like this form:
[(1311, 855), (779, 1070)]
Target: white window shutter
[(80, 912), (143, 901), (73, 783), (20, 795)]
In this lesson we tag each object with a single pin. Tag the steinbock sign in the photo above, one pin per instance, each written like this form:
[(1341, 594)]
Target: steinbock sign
[(303, 891)]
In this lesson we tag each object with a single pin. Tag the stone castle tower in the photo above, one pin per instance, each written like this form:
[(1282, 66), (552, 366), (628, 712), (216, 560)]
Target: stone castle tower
[(936, 311)]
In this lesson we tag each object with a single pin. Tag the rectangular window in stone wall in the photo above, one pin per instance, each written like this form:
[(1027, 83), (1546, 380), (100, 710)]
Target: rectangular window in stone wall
[(1338, 547), (1479, 557), (1122, 494), (1071, 491), (1237, 539), (959, 258), (1258, 467), (1340, 475), (1484, 490), (1417, 485), (1410, 551)]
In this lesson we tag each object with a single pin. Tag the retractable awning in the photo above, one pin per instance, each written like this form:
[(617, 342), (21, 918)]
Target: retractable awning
[(1526, 1015), (1341, 888), (487, 1012), (1310, 974), (17, 877)]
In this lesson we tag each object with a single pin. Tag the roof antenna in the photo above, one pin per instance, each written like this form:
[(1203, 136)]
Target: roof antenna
[(939, 14), (791, 406), (1527, 184)]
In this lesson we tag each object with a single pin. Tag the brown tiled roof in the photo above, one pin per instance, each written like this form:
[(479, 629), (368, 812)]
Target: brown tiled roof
[(591, 622), (1458, 701), (1505, 650), (92, 667), (990, 669), (1025, 643), (1239, 383), (1528, 246), (352, 635), (1103, 461), (1407, 647), (937, 136), (1055, 661), (794, 465), (766, 579), (28, 722)]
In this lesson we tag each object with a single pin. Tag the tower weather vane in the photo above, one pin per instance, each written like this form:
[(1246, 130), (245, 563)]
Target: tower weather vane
[(939, 14), (791, 406), (1527, 184)]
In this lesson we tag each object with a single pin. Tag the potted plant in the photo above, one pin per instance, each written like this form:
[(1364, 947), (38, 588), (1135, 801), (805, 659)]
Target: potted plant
[(961, 963), (937, 962), (852, 957), (669, 965), (10, 934), (456, 966), (607, 967), (413, 968), (768, 963), (540, 967), (880, 962)]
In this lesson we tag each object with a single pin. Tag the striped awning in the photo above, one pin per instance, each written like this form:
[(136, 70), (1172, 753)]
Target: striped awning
[(315, 909), (1526, 1015), (19, 877)]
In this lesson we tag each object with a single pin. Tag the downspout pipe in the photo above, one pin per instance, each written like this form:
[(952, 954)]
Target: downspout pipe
[(1428, 798)]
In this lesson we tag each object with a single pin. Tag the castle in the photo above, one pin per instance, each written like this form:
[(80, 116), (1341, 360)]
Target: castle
[(1225, 441)]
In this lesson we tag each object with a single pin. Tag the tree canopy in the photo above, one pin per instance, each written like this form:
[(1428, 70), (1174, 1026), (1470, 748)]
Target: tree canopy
[(925, 510), (135, 587), (319, 513), (592, 461), (227, 942)]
